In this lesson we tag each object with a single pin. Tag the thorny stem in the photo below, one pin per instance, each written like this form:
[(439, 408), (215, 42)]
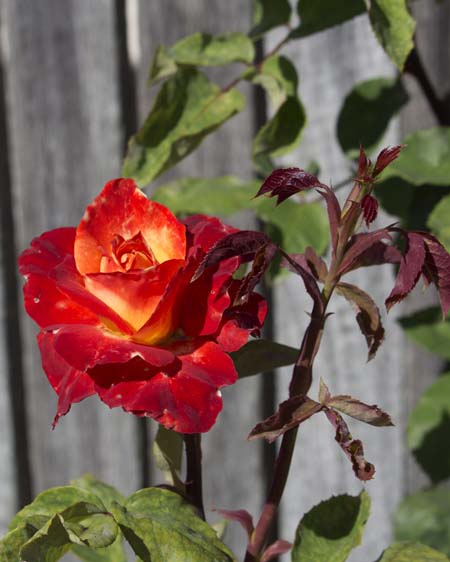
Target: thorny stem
[(194, 470)]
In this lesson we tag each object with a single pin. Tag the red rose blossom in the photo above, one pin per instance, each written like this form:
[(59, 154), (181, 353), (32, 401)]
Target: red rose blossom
[(121, 317)]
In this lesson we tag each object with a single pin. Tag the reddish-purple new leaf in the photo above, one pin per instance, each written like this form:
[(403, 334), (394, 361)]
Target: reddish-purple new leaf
[(278, 547), (310, 283), (244, 244), (309, 261), (334, 213), (386, 156), (324, 393), (363, 165), (367, 316), (285, 182), (353, 448), (350, 406), (261, 262), (437, 269), (411, 266), (290, 414), (241, 516), (369, 206), (359, 247), (377, 254)]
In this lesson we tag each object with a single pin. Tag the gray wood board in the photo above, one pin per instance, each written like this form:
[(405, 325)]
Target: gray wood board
[(233, 467), (65, 139), (8, 494), (329, 65)]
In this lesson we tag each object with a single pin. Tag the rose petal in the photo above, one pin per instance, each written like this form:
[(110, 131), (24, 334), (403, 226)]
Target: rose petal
[(122, 209), (133, 295), (186, 399), (70, 384), (83, 347), (47, 251), (205, 231)]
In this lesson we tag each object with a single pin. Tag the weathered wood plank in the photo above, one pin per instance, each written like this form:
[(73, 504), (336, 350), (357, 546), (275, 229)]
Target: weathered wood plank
[(227, 151), (65, 137), (8, 492), (329, 65)]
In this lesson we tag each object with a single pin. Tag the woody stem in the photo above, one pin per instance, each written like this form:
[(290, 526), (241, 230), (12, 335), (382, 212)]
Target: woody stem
[(194, 470)]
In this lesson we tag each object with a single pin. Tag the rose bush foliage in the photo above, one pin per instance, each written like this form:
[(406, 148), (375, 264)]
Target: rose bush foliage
[(125, 315)]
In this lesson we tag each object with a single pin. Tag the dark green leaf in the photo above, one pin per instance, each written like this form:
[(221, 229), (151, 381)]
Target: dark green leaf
[(162, 527), (282, 133), (412, 552), (439, 221), (411, 203), (260, 356), (331, 529), (429, 427), (394, 28), (278, 76), (425, 159), (318, 15), (268, 14), (366, 113), (427, 329), (221, 196), (187, 109), (425, 517), (202, 49), (167, 452)]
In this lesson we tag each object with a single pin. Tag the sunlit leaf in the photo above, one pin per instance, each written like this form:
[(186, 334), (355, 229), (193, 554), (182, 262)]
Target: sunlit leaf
[(427, 329), (412, 552), (394, 28), (187, 109), (331, 529), (439, 221)]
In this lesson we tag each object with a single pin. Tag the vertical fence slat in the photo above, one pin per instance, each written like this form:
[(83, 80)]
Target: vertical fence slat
[(65, 139), (226, 151)]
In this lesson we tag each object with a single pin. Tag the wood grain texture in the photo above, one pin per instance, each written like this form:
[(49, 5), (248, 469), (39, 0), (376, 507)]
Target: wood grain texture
[(226, 151), (65, 138), (329, 65), (8, 483)]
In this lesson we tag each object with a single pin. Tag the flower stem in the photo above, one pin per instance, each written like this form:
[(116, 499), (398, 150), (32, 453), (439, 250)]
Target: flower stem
[(194, 470)]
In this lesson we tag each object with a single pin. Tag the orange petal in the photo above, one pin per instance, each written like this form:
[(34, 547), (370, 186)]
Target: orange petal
[(122, 209), (134, 296)]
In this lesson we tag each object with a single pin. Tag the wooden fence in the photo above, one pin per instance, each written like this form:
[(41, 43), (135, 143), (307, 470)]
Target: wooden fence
[(72, 87)]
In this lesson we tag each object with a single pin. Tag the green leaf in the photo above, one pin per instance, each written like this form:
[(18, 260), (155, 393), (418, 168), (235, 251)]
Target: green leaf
[(106, 493), (427, 329), (439, 221), (299, 224), (113, 553), (268, 14), (412, 204), (366, 113), (425, 160), (51, 542), (394, 28), (429, 427), (278, 76), (11, 543), (162, 527), (202, 49), (318, 15), (167, 451), (259, 356), (187, 109), (221, 196), (412, 552), (331, 529), (425, 517), (282, 133), (55, 500)]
